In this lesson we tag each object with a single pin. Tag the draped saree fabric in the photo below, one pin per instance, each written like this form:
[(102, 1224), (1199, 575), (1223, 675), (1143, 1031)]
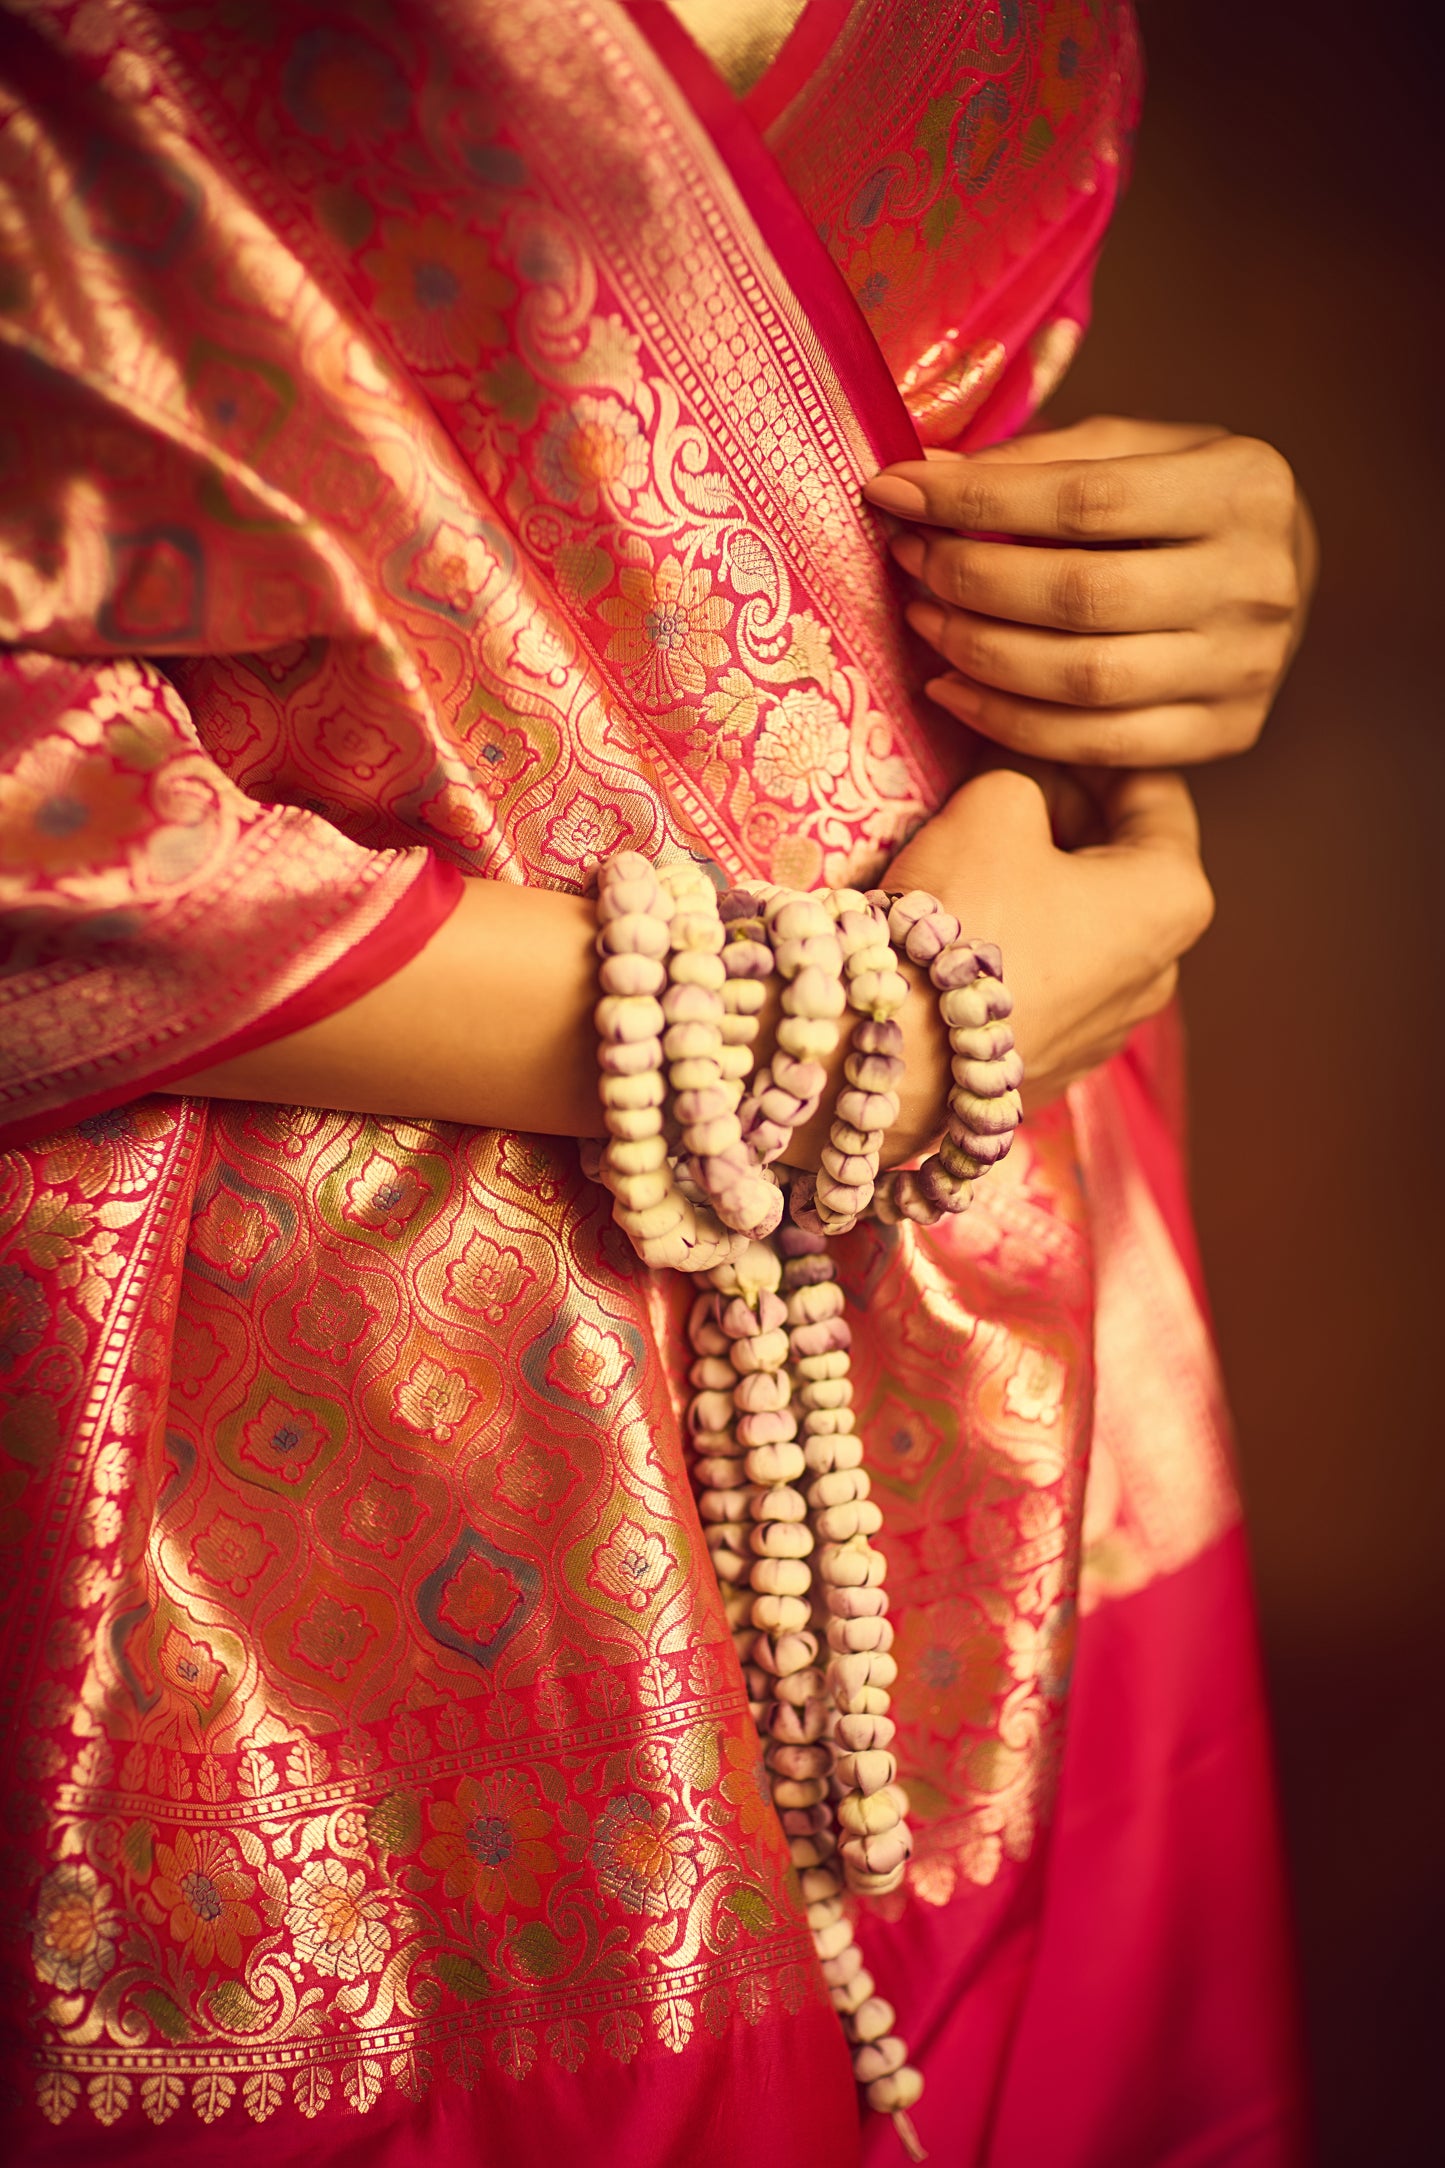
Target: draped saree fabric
[(432, 438)]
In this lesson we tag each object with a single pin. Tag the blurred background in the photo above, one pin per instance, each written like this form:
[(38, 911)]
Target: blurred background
[(1277, 267)]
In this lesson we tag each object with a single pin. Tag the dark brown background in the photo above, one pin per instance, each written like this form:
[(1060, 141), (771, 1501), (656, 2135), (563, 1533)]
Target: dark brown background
[(1276, 267)]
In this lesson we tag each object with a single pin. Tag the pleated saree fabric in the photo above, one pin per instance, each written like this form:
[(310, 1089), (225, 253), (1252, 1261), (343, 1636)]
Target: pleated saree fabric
[(432, 438)]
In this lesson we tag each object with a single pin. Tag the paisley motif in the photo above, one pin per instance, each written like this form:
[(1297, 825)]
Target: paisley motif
[(460, 483)]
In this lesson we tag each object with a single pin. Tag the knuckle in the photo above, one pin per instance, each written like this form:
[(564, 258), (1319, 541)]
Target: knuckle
[(1258, 677), (1091, 498), (989, 659), (1250, 678), (946, 572), (1087, 596), (976, 503), (1288, 594), (1269, 480), (1276, 597), (1095, 675)]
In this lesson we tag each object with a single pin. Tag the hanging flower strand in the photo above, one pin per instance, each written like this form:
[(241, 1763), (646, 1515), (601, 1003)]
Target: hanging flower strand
[(783, 1495)]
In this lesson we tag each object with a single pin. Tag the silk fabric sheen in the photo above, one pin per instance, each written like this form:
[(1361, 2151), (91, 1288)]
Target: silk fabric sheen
[(442, 430)]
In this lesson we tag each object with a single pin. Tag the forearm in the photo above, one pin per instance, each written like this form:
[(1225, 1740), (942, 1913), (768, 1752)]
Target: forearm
[(491, 1024)]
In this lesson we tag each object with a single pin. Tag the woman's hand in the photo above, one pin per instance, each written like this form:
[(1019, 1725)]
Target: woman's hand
[(1091, 938), (1153, 617), (491, 1023)]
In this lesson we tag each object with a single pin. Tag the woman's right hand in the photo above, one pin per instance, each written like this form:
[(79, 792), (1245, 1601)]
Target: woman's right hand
[(1091, 938)]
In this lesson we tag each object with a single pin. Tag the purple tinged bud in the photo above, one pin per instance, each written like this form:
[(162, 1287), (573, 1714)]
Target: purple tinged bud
[(956, 1161), (927, 1184), (990, 1116), (801, 1207), (845, 1199), (796, 1241), (767, 1139), (741, 1322), (957, 966), (987, 1150), (702, 1104), (778, 1105), (939, 1188), (772, 1312), (877, 1035), (930, 936), (905, 911), (873, 1072), (749, 1211), (805, 1079), (911, 1204), (985, 1079), (867, 1110), (990, 958), (827, 1337), (704, 1311), (747, 960), (850, 1168)]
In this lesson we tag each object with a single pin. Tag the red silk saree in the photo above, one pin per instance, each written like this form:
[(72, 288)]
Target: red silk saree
[(432, 439)]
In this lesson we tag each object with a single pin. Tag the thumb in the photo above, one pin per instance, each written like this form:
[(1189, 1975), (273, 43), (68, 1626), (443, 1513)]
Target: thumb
[(997, 811), (1150, 809), (1154, 837), (1101, 436), (991, 825)]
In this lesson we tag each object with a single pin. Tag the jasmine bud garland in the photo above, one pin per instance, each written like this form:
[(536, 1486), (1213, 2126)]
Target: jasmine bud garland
[(695, 1163)]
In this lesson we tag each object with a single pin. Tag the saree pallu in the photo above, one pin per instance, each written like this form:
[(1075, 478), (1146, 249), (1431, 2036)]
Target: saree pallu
[(432, 441)]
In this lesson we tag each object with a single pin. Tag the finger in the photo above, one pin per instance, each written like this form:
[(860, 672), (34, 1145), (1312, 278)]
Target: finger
[(1113, 670), (1174, 496), (1101, 436), (1167, 590), (1151, 808), (1180, 733), (1152, 863), (1106, 1035)]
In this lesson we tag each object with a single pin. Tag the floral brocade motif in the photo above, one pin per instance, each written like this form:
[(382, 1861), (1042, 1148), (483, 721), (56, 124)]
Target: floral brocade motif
[(961, 163), (973, 1367), (384, 1721), (377, 1717)]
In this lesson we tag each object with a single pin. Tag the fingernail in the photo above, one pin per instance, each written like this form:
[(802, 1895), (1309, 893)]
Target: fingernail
[(909, 551), (927, 619), (892, 495)]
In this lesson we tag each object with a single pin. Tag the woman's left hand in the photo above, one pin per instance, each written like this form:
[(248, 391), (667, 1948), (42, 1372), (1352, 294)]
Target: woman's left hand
[(1149, 608)]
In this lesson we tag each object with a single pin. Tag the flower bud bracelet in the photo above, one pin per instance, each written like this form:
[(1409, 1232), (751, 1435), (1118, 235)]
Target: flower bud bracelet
[(695, 1161)]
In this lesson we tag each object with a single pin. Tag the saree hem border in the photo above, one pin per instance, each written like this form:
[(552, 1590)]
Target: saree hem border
[(401, 934), (836, 321)]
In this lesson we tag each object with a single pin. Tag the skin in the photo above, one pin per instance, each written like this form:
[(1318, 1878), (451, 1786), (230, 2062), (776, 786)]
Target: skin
[(1154, 615), (1149, 623), (491, 1023)]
